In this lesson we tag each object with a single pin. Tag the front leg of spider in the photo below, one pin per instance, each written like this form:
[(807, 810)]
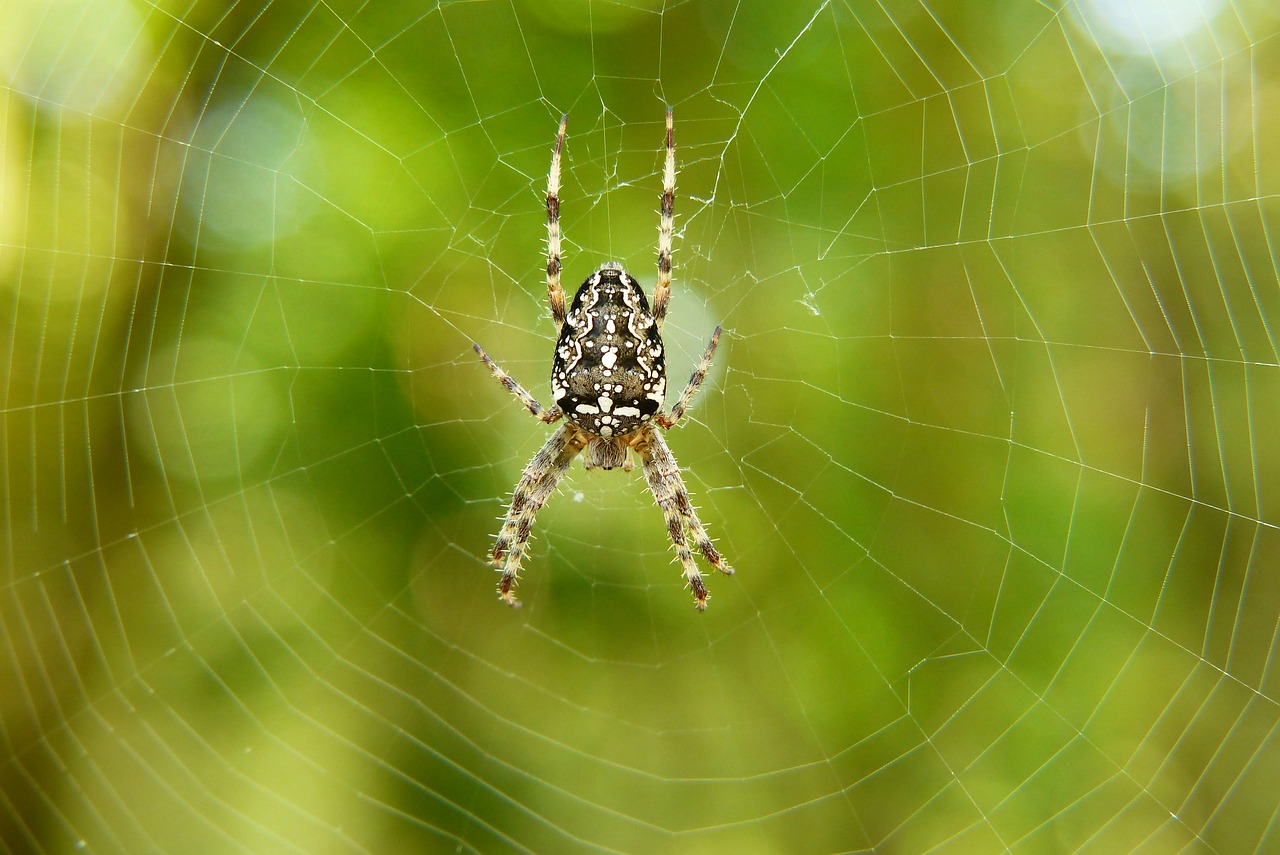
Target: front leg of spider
[(609, 381)]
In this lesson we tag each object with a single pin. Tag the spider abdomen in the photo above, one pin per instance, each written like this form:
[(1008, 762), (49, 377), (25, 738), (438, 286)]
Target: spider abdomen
[(609, 375)]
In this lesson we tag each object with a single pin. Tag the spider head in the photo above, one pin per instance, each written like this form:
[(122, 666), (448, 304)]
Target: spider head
[(609, 375)]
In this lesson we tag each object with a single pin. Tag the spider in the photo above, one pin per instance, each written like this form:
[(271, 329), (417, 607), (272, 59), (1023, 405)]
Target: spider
[(609, 381)]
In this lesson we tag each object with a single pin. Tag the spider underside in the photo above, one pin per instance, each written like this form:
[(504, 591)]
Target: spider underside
[(609, 382)]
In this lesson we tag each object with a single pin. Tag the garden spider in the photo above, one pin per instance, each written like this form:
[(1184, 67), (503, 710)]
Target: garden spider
[(609, 381)]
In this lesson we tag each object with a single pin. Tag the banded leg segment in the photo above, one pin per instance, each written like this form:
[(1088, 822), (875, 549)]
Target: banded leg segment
[(669, 491), (666, 225), (669, 420), (535, 486), (531, 403), (698, 534), (693, 527), (555, 294)]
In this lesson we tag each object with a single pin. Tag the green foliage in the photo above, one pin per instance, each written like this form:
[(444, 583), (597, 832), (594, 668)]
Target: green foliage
[(988, 439)]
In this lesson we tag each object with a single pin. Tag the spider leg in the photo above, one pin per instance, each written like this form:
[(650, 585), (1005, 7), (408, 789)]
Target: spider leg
[(555, 294), (535, 486), (669, 420), (666, 225), (669, 491), (688, 514), (531, 403)]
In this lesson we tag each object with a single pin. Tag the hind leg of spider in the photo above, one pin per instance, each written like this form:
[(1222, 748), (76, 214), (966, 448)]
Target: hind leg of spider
[(665, 462), (535, 486), (663, 476), (531, 403)]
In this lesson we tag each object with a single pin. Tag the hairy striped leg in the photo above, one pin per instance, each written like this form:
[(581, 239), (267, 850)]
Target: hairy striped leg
[(669, 491), (669, 420), (696, 533), (666, 225), (531, 403), (555, 294), (688, 514), (535, 486)]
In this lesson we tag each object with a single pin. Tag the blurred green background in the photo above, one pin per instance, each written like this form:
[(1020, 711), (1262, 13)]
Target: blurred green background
[(989, 438)]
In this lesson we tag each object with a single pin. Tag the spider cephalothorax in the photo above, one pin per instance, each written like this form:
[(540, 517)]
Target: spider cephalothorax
[(609, 381)]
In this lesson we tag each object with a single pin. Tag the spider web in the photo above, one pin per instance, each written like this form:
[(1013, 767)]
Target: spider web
[(989, 438)]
